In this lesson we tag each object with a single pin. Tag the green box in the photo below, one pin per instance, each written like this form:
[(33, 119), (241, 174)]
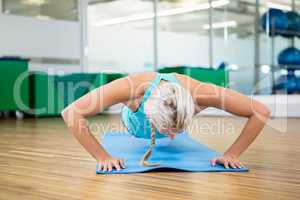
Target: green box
[(50, 94), (216, 76), (100, 79), (179, 70), (74, 86), (45, 98), (14, 85), (113, 76)]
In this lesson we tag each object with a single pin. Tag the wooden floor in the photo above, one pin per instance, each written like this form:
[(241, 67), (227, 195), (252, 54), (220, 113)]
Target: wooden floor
[(40, 160)]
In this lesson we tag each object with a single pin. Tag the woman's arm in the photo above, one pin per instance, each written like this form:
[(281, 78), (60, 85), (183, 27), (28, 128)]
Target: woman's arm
[(75, 114), (237, 104)]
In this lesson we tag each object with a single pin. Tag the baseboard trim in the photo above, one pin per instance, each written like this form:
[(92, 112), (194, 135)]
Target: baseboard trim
[(280, 106)]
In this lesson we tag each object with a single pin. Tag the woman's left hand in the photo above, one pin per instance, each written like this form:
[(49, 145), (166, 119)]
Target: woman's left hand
[(227, 161)]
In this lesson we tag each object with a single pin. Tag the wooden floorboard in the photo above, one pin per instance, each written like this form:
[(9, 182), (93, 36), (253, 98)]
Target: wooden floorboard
[(39, 159)]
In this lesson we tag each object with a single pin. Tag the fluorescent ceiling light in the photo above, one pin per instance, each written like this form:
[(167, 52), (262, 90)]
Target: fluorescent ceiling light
[(164, 13), (122, 20), (279, 6), (217, 25), (34, 2), (43, 17), (203, 6), (220, 3)]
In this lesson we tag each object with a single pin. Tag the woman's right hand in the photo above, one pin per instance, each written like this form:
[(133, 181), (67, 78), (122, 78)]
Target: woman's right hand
[(110, 163)]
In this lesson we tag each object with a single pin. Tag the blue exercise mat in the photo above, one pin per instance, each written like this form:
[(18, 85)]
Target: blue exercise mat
[(183, 153)]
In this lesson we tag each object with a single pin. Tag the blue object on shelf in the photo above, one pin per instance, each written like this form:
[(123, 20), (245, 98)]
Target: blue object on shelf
[(293, 28), (290, 56), (287, 82), (276, 20), (223, 65), (298, 85)]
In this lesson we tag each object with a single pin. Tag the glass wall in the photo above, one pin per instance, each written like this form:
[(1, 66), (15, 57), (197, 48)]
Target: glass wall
[(233, 42), (121, 36), (228, 35), (35, 20), (182, 41), (42, 9), (280, 33)]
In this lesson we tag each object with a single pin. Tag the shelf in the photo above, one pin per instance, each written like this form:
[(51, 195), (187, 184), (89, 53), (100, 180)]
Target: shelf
[(290, 34), (292, 67)]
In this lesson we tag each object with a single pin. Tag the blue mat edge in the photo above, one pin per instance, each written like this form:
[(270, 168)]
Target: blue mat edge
[(218, 168)]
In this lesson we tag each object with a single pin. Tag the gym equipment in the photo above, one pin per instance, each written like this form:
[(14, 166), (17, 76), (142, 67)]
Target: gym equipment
[(176, 69), (216, 76), (71, 87), (293, 24), (50, 94), (45, 100), (290, 56), (287, 82), (276, 20), (291, 85), (12, 69), (298, 85), (113, 76), (293, 21), (182, 153)]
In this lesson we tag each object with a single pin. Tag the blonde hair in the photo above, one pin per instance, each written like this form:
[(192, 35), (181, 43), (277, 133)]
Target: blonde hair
[(171, 106)]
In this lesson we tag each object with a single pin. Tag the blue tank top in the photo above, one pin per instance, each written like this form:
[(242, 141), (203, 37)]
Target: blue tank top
[(137, 123)]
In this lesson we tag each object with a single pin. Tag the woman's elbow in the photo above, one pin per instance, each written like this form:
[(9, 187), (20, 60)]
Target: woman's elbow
[(70, 117), (67, 114), (266, 112), (261, 110), (64, 113)]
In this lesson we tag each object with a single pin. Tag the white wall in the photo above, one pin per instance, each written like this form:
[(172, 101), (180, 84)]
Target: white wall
[(29, 37), (119, 48)]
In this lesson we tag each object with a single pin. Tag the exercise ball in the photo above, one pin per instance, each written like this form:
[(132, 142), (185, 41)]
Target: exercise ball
[(277, 20), (298, 85), (290, 56), (293, 24), (286, 82), (291, 85)]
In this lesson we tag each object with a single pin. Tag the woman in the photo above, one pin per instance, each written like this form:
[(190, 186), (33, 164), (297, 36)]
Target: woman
[(160, 105)]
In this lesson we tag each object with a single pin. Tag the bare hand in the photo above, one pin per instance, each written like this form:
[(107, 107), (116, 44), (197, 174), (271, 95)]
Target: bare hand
[(227, 161), (110, 163)]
